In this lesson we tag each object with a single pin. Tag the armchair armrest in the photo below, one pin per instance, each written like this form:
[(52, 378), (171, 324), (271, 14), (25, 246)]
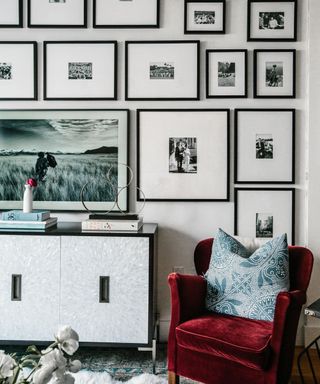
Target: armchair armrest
[(188, 294)]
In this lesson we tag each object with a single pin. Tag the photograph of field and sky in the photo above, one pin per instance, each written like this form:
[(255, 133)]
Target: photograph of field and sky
[(83, 150)]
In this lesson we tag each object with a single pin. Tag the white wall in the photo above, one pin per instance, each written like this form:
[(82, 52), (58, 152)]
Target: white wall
[(182, 225)]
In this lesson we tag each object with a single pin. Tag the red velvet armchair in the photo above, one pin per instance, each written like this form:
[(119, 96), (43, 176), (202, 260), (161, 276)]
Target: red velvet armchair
[(221, 349)]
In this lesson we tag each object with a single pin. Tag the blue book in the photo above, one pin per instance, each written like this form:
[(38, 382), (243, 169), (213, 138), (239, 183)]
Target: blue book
[(17, 215)]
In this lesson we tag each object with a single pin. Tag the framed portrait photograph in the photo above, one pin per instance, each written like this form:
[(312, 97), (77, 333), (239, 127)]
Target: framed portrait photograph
[(265, 213), (265, 146), (80, 70), (86, 145), (162, 70), (57, 13), (274, 73), (272, 20), (11, 15), (226, 73), (18, 70), (204, 16), (177, 162), (126, 14)]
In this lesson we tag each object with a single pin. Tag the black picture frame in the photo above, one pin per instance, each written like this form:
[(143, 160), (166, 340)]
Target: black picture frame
[(62, 115), (77, 42), (19, 24), (289, 95), (125, 26), (290, 231), (164, 168), (213, 96), (274, 39), (84, 24), (157, 43), (291, 174), (34, 71), (204, 32)]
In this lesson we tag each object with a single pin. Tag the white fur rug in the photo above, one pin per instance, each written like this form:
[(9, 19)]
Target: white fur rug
[(86, 377)]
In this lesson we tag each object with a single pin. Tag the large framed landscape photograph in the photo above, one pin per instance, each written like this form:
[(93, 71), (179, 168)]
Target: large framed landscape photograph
[(162, 70), (126, 14), (265, 213), (87, 145), (11, 13), (183, 154), (57, 13)]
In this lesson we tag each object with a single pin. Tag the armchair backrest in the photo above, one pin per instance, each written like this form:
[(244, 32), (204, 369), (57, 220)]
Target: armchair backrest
[(300, 261)]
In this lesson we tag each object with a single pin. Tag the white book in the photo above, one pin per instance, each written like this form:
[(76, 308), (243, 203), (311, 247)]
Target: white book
[(112, 225)]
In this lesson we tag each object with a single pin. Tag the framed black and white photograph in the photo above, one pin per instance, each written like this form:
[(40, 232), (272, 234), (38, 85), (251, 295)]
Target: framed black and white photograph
[(265, 213), (274, 73), (162, 70), (226, 73), (126, 14), (86, 145), (265, 146), (18, 70), (272, 20), (204, 16), (57, 13), (183, 154), (11, 15), (80, 70)]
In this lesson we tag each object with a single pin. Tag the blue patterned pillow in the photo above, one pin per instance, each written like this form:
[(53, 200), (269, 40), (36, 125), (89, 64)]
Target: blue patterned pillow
[(246, 285)]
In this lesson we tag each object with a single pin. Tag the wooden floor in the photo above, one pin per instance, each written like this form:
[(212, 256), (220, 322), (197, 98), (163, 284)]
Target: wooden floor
[(295, 378)]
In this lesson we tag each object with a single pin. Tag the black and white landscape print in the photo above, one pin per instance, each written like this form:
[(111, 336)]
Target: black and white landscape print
[(204, 17), (264, 225), (271, 20), (84, 151), (274, 74), (80, 71), (226, 74), (264, 146), (183, 155), (162, 70), (5, 71)]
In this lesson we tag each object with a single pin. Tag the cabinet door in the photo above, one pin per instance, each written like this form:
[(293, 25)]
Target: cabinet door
[(29, 287), (105, 288)]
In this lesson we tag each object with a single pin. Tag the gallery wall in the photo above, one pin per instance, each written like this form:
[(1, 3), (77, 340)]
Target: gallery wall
[(183, 224)]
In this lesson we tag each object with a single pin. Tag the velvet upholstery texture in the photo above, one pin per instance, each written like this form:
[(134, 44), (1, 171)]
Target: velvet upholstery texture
[(220, 349)]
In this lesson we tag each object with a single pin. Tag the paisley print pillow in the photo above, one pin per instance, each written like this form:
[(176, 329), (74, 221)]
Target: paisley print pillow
[(244, 284)]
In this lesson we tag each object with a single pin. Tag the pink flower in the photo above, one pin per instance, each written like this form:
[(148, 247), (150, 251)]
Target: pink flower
[(32, 182)]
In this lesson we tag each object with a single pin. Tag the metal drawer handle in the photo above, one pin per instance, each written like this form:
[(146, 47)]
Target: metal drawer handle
[(104, 289), (16, 287)]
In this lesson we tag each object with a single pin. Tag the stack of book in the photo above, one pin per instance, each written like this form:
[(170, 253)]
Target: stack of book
[(36, 219), (113, 222)]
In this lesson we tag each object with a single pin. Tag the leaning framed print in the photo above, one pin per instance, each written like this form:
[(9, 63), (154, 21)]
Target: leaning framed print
[(18, 70), (265, 146), (126, 14), (162, 70), (226, 73), (87, 145), (80, 70), (274, 73), (272, 20), (57, 13), (204, 16), (11, 15), (265, 213), (183, 154)]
